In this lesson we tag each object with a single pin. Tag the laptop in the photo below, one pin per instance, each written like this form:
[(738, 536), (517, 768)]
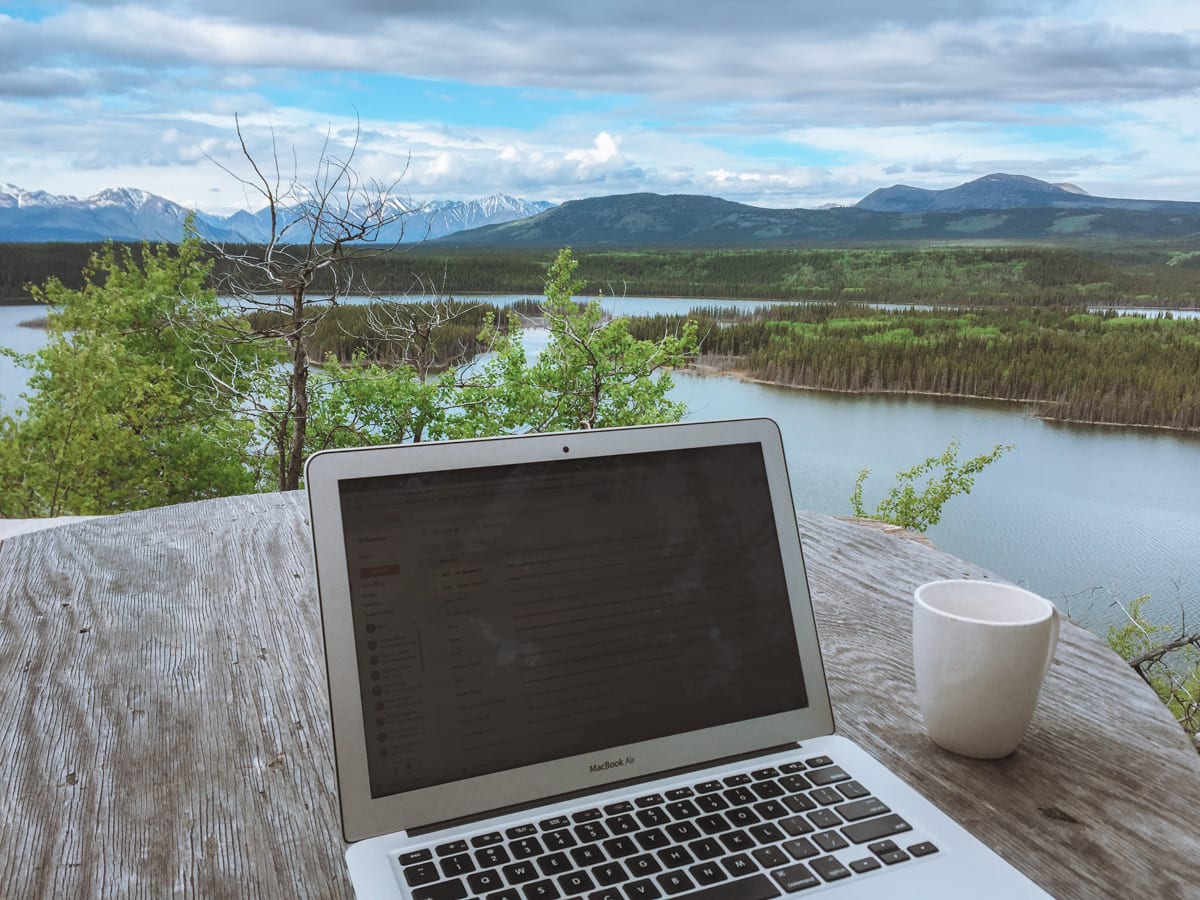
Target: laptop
[(585, 665)]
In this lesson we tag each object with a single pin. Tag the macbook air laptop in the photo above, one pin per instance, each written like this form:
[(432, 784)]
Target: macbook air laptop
[(584, 665)]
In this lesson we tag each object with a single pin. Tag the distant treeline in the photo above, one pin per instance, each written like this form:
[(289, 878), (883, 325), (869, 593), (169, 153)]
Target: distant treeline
[(1146, 275), (1076, 366)]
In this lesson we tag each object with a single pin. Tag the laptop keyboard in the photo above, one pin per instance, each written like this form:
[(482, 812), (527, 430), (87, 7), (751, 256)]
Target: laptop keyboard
[(752, 835)]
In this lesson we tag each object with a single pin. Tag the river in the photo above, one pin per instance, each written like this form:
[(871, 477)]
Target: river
[(1087, 516)]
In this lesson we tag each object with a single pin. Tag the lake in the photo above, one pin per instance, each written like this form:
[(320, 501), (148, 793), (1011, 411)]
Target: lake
[(1086, 516)]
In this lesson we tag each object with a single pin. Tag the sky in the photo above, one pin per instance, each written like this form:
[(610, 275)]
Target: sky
[(776, 103)]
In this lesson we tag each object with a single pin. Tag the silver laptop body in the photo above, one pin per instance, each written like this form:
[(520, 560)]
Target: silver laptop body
[(585, 665)]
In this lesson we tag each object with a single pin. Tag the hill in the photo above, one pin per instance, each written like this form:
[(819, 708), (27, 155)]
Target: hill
[(995, 208)]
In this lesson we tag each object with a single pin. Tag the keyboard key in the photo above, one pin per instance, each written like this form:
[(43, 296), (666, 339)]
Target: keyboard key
[(829, 868), (793, 784), (649, 800), (519, 873), (708, 873), (759, 887), (736, 840), (445, 890), (711, 803), (767, 790), (771, 809), (674, 857), (653, 817), (623, 824), (506, 894), (896, 856), (873, 829), (713, 824), (422, 873), (636, 890), (588, 855), (482, 882), (852, 790), (586, 815), (817, 762), (577, 882), (738, 865), (881, 847), (591, 831), (866, 864), (558, 840), (800, 848), (487, 840), (541, 890), (415, 856), (770, 857), (707, 787), (609, 873), (922, 849), (796, 826), (610, 894), (652, 839), (830, 841), (739, 796), (862, 809), (614, 809), (735, 780), (706, 848), (682, 831), (457, 865), (824, 818), (675, 882), (680, 793), (643, 865), (742, 817), (554, 824), (620, 846), (828, 775), (554, 864), (451, 848), (795, 878), (764, 774), (525, 848), (791, 768), (683, 809), (490, 857), (520, 831), (826, 796), (799, 803), (766, 833)]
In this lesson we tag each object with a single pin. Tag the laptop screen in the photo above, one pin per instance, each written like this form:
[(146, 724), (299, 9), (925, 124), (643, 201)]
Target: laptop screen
[(514, 614)]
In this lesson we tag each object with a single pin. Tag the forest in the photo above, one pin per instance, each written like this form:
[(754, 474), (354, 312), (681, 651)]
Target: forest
[(1149, 275), (1072, 364)]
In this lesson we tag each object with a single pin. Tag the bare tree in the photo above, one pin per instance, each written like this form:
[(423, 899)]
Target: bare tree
[(319, 228)]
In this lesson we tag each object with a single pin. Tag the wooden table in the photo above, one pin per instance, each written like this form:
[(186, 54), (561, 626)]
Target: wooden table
[(167, 730)]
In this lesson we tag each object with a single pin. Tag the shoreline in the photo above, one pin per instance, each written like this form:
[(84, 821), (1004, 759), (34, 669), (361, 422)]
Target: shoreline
[(710, 371)]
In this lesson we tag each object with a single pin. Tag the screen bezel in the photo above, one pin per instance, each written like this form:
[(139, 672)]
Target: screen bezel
[(364, 815)]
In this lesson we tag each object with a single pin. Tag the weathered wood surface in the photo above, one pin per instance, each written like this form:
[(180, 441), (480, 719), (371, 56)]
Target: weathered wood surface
[(163, 686)]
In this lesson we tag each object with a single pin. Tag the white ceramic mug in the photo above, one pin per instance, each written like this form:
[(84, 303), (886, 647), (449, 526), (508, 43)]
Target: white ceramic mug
[(980, 652)]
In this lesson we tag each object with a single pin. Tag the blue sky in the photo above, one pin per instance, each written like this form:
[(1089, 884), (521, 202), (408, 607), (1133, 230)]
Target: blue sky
[(781, 103)]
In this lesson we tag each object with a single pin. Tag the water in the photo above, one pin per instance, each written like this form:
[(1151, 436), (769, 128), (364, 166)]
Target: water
[(1085, 516)]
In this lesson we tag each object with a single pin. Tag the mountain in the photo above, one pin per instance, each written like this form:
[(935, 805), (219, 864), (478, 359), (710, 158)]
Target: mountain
[(996, 207), (998, 191), (126, 214)]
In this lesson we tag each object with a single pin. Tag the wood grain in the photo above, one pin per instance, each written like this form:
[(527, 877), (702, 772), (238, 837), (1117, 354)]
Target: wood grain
[(162, 679)]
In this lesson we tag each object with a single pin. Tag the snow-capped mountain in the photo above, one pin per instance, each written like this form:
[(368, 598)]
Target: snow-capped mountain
[(128, 214)]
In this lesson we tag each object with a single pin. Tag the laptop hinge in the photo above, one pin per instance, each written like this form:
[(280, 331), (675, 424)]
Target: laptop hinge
[(616, 785)]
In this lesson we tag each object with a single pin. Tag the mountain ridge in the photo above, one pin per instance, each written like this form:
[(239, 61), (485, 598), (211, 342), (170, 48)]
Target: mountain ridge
[(131, 214)]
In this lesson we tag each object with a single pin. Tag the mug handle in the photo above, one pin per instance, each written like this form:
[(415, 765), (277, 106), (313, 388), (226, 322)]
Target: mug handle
[(1055, 626)]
